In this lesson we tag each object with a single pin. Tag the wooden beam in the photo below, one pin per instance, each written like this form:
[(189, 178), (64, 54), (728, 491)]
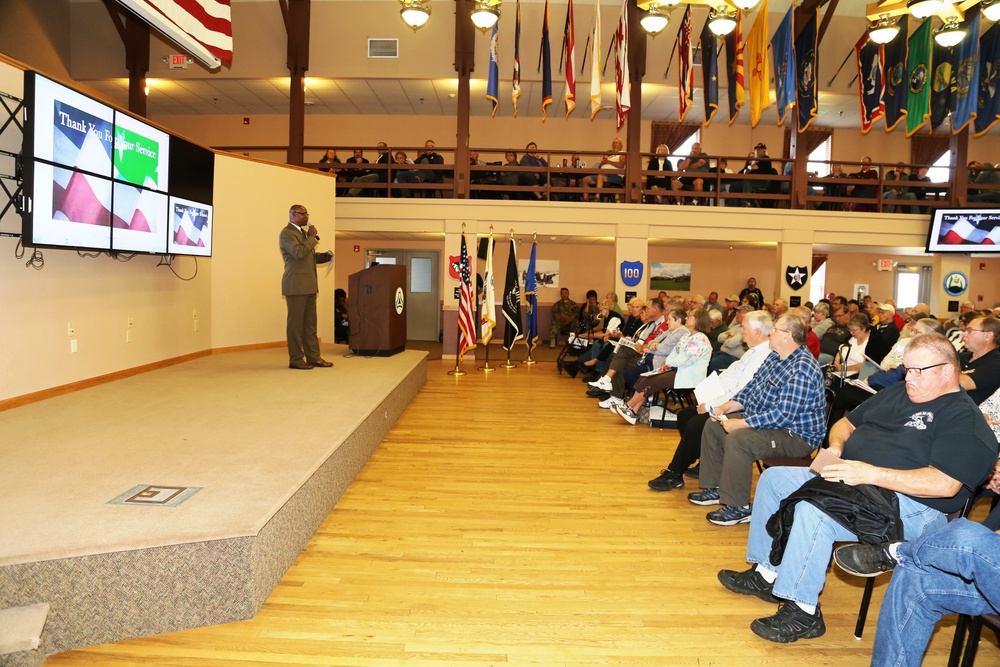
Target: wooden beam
[(465, 63)]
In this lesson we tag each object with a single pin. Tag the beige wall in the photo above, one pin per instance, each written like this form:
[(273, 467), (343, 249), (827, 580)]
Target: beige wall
[(37, 33)]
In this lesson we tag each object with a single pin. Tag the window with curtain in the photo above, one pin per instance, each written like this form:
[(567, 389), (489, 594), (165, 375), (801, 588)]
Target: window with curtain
[(674, 135)]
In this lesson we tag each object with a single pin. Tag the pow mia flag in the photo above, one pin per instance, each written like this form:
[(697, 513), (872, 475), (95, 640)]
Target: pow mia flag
[(796, 276)]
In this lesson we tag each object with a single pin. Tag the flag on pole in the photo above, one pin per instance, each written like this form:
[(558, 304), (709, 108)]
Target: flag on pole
[(595, 63), (493, 82), (871, 81), (516, 92), (487, 318), (546, 63), (757, 63), (203, 28), (895, 76), (685, 73), (988, 113), (570, 39), (806, 68), (782, 44), (942, 80), (531, 301), (734, 68), (709, 71), (918, 63), (623, 99), (466, 304), (964, 98), (512, 331)]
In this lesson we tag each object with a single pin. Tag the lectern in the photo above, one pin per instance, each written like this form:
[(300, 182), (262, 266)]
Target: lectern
[(378, 310)]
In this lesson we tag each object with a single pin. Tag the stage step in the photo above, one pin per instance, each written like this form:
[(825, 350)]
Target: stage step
[(21, 635)]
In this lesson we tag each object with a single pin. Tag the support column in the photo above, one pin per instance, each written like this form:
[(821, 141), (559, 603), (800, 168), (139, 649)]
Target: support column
[(943, 264), (633, 128), (296, 16), (632, 245), (465, 63)]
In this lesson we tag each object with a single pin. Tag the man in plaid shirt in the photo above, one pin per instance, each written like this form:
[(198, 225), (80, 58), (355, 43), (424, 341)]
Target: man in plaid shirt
[(781, 412)]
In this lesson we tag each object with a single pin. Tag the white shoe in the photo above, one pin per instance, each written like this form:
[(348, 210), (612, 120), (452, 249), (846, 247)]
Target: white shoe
[(608, 402), (604, 383)]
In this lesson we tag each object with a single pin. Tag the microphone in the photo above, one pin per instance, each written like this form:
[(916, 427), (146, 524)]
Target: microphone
[(312, 227)]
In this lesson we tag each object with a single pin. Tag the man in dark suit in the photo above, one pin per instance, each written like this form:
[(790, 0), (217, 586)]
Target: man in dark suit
[(299, 286)]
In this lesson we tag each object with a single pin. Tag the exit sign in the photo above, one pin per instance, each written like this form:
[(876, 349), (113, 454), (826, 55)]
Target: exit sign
[(178, 61)]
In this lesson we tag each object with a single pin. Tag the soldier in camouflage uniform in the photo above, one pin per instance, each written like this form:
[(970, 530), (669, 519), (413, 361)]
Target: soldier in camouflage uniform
[(565, 317)]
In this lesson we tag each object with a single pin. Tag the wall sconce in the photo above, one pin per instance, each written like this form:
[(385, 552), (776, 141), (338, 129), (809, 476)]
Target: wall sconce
[(415, 13), (485, 14), (950, 34), (884, 30)]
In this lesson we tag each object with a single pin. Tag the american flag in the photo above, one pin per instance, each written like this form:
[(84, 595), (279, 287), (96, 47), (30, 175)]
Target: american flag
[(202, 27), (466, 306), (686, 70), (623, 99)]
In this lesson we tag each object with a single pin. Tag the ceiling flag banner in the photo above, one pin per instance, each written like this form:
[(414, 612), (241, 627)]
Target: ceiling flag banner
[(871, 81), (546, 63), (757, 64), (782, 45), (685, 72), (570, 39), (623, 99), (964, 98), (988, 113), (734, 68), (807, 70), (516, 78), (709, 72), (896, 81), (493, 82), (918, 64), (595, 63)]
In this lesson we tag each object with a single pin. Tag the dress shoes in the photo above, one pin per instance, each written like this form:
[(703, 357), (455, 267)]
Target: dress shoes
[(322, 363), (300, 365)]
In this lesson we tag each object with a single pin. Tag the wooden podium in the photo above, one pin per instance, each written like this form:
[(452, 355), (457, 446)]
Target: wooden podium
[(377, 310)]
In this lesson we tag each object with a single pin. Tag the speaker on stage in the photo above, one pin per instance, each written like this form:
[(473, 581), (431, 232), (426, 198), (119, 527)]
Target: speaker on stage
[(378, 310)]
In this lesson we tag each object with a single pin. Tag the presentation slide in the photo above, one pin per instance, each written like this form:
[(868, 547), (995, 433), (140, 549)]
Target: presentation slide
[(71, 129), (140, 220), (964, 230), (142, 153), (70, 209), (191, 228)]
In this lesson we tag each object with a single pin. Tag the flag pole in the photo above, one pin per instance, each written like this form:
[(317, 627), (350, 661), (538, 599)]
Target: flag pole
[(529, 361), (458, 372), (486, 368), (837, 73)]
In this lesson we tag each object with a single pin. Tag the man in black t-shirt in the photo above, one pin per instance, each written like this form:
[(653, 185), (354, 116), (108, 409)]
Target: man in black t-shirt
[(981, 360), (836, 335)]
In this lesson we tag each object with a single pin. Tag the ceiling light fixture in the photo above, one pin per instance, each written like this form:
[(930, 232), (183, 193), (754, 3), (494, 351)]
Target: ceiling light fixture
[(745, 5), (921, 9), (991, 9), (721, 22), (950, 34), (415, 13), (884, 30), (485, 15), (655, 19)]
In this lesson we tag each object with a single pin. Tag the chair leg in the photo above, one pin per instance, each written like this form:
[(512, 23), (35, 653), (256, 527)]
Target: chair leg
[(866, 599), (972, 645), (959, 640)]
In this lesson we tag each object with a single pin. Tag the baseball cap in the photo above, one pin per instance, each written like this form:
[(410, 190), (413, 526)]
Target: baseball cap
[(732, 297)]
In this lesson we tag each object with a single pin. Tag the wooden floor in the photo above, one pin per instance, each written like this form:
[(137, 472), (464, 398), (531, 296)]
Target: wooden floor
[(506, 521)]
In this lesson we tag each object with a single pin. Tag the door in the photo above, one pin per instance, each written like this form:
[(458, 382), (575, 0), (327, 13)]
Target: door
[(423, 289), (913, 285)]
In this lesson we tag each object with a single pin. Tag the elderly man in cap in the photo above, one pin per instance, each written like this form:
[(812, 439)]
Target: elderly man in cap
[(729, 311), (758, 163), (731, 343)]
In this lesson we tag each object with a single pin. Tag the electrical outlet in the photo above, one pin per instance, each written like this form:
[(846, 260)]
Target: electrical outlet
[(128, 336), (72, 345), (131, 322), (71, 330), (194, 313)]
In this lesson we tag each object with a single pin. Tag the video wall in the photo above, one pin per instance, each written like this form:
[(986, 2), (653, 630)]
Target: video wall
[(965, 230), (97, 178)]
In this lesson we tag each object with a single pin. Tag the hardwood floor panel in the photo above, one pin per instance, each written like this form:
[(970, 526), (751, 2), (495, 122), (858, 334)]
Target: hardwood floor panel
[(505, 520)]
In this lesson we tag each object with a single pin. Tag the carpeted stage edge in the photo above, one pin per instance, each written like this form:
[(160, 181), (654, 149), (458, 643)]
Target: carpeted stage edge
[(107, 597)]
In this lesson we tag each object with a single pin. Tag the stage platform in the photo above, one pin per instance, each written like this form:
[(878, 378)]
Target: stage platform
[(178, 498)]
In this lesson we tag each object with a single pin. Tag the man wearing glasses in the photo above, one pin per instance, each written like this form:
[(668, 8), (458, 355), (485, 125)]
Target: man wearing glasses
[(299, 286), (981, 360), (924, 440)]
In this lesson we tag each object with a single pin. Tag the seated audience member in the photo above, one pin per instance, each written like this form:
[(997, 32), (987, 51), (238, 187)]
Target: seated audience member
[(596, 365), (659, 162), (656, 352), (400, 161), (988, 176), (718, 329), (957, 335), (565, 317), (755, 330), (379, 176), (532, 158), (886, 328), (732, 301), (929, 471), (834, 189), (341, 321), (713, 303), (627, 356), (348, 175), (610, 324), (918, 192), (330, 157), (951, 570), (427, 157), (509, 177), (812, 340), (757, 164), (697, 164), (866, 173), (590, 313), (894, 188), (981, 360), (779, 307), (836, 335), (683, 368), (613, 170), (781, 412), (860, 345), (963, 308), (732, 347), (821, 319)]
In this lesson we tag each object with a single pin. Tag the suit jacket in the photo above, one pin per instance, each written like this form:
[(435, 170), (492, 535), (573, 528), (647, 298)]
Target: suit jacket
[(300, 262)]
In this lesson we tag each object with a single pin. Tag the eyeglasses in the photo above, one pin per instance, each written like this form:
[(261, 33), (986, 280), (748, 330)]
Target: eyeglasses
[(780, 329), (918, 371), (300, 213), (971, 329)]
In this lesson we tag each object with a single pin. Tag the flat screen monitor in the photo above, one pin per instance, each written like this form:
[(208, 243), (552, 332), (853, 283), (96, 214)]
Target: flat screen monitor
[(141, 153), (139, 220), (190, 228), (964, 230)]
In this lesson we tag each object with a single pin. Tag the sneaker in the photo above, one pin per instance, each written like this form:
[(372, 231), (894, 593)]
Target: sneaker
[(705, 496), (610, 401), (603, 384), (790, 624), (864, 560), (598, 393), (748, 582), (730, 515), (626, 413), (693, 471), (552, 344), (667, 481)]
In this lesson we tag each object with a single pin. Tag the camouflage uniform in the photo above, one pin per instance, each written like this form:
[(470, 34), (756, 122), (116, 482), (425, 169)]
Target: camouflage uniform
[(565, 318)]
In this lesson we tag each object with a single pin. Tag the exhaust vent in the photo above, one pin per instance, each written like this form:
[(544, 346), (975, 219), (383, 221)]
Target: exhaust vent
[(383, 48)]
